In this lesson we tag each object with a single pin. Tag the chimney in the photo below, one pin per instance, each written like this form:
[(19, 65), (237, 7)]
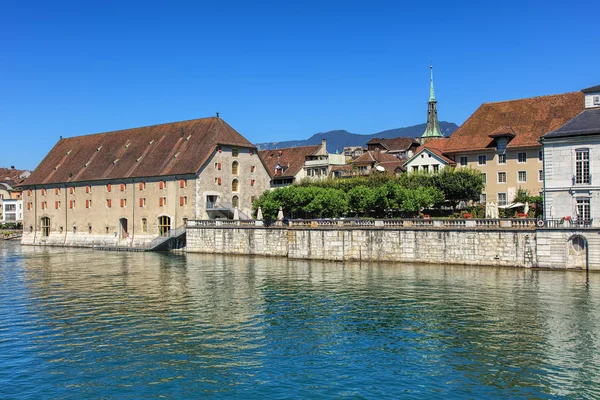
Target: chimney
[(324, 143)]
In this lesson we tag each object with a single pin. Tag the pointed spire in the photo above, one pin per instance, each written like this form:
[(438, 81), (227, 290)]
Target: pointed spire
[(431, 93), (432, 130)]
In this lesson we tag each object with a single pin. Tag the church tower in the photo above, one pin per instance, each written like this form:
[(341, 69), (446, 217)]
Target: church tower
[(432, 131)]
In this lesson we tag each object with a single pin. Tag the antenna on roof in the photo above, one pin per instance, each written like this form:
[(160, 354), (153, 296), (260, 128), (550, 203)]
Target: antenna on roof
[(217, 114), (60, 137), (182, 134)]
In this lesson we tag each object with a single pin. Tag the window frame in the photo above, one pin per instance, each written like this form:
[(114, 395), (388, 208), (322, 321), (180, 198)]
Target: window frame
[(480, 157), (519, 161), (519, 176), (498, 180)]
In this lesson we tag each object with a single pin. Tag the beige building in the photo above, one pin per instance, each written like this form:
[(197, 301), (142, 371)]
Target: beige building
[(125, 188), (502, 141)]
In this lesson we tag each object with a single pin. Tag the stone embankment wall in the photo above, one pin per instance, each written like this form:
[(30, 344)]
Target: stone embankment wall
[(83, 239), (504, 247)]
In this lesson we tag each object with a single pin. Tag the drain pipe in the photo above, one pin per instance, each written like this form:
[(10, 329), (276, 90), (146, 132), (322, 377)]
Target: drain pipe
[(132, 211), (66, 215)]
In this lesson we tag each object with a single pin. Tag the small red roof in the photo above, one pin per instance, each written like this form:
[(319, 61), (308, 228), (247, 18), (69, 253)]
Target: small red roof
[(291, 159)]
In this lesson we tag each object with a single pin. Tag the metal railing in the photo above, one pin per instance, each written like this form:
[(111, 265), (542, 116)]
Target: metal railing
[(170, 234), (458, 223), (565, 223)]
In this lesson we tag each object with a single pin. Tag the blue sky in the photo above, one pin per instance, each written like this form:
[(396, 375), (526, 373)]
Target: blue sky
[(276, 70)]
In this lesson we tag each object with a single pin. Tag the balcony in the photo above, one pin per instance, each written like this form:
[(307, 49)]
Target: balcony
[(316, 163)]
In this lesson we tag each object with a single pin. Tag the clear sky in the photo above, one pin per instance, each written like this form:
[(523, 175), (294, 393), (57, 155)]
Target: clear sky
[(277, 70)]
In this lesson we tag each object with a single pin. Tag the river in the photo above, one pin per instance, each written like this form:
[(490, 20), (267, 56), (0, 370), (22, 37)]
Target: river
[(77, 323)]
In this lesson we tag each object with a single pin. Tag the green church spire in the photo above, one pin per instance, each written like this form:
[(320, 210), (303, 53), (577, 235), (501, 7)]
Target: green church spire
[(431, 93), (432, 131)]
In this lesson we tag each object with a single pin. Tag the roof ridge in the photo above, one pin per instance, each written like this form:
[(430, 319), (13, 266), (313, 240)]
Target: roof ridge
[(138, 127), (531, 98), (296, 147)]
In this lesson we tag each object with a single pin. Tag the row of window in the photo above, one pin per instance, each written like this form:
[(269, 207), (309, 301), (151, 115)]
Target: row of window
[(235, 184), (162, 201), (521, 176), (164, 224), (235, 167), (435, 168), (235, 152), (122, 187), (482, 159)]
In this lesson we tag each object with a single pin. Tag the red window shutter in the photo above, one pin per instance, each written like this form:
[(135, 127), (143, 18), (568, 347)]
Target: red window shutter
[(109, 202), (141, 202), (251, 182), (87, 189), (70, 190), (108, 187), (181, 184), (29, 193), (55, 190), (181, 200), (252, 168), (29, 206), (122, 187), (219, 166), (56, 205), (160, 201), (43, 191), (43, 205), (70, 203), (141, 186), (122, 203), (219, 181), (87, 204)]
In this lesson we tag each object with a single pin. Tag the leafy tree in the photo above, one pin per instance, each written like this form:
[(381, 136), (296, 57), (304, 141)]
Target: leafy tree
[(462, 184)]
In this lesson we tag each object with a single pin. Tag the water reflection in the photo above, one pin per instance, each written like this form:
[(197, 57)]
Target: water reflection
[(177, 325)]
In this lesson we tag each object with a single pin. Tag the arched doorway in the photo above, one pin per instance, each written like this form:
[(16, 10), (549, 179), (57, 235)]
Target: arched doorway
[(45, 226), (577, 252), (235, 201), (164, 224), (123, 228)]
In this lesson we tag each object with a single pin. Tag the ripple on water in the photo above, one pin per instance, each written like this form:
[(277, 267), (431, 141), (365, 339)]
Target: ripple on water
[(79, 323)]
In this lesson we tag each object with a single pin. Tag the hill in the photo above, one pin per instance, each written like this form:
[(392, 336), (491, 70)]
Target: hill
[(336, 140)]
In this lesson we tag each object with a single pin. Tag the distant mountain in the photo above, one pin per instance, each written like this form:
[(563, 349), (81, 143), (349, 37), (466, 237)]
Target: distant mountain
[(336, 140)]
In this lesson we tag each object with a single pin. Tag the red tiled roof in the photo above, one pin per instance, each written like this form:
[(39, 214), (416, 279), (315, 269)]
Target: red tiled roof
[(290, 158), (388, 161), (12, 176), (529, 119), (439, 144), (394, 144), (167, 149)]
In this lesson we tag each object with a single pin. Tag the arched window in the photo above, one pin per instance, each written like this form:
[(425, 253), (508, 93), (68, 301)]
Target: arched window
[(235, 201), (234, 185), (235, 168), (164, 224), (578, 244), (144, 225), (45, 227)]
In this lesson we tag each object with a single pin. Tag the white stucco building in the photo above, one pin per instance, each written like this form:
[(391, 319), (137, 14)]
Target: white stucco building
[(572, 166)]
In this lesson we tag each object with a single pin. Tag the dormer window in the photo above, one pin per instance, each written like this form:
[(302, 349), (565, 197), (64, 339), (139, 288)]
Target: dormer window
[(596, 100)]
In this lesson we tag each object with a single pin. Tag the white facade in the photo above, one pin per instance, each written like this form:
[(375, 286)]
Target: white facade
[(569, 189), (572, 173), (425, 161), (12, 210)]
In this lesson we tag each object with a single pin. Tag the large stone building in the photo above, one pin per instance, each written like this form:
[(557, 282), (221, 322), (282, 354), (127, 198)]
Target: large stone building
[(128, 187), (572, 166), (502, 141)]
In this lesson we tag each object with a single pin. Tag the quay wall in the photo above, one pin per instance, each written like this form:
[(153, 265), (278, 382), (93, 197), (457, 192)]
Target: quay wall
[(84, 239), (502, 247)]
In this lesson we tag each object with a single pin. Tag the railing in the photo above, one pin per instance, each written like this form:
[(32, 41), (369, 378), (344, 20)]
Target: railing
[(315, 163), (567, 223), (459, 223), (170, 234)]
